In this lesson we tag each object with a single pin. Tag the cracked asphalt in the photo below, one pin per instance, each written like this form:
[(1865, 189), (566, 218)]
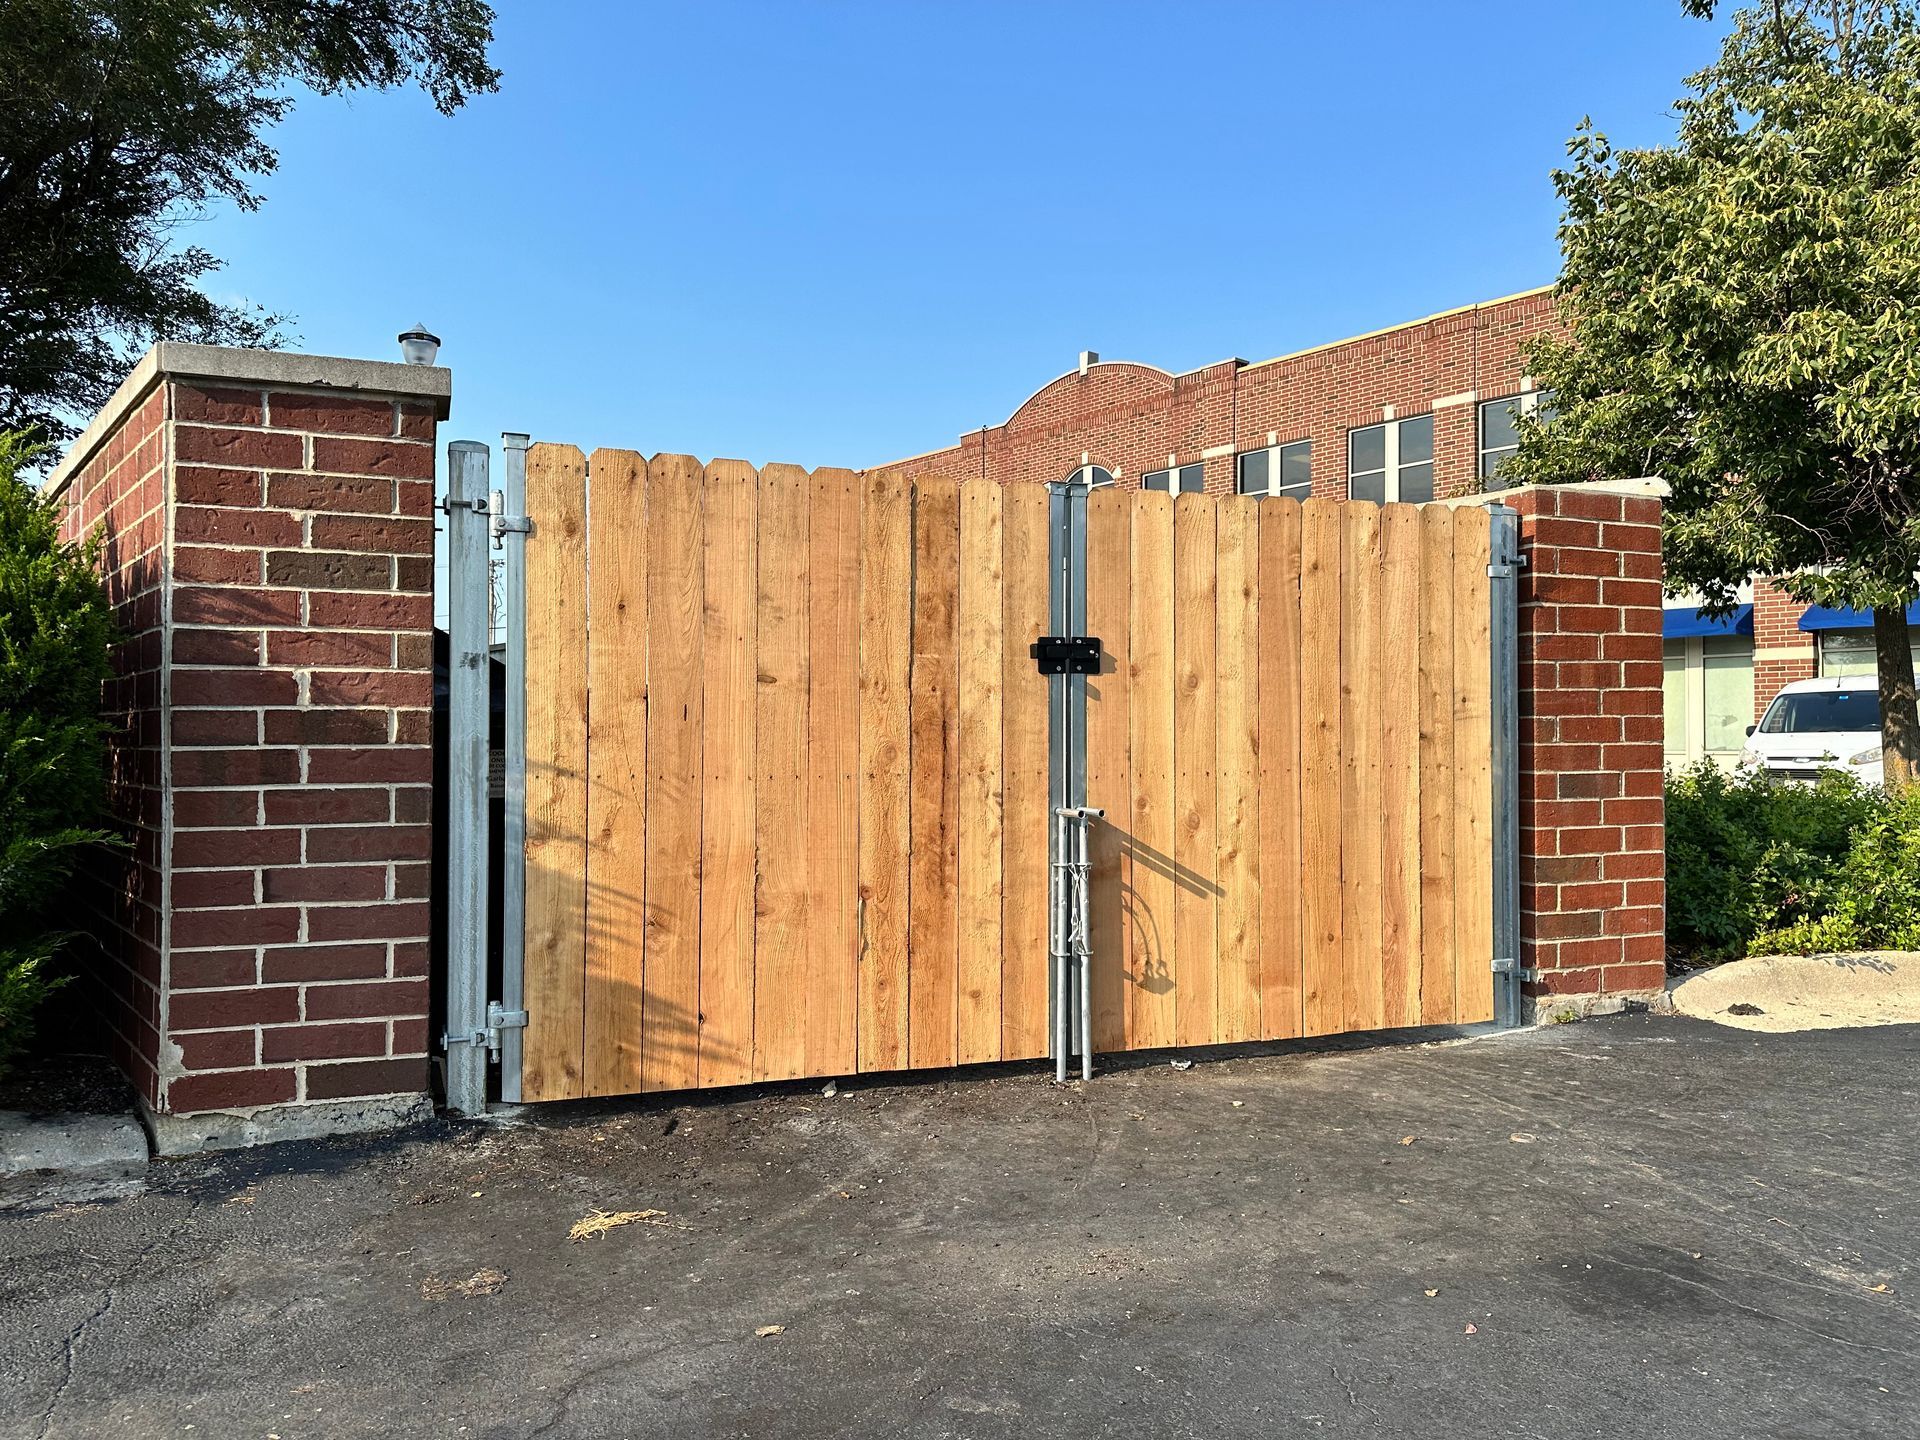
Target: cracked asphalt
[(1639, 1226)]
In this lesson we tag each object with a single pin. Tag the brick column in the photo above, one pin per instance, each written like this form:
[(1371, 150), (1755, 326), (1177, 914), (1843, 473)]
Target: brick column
[(1592, 831), (278, 972), (1782, 651)]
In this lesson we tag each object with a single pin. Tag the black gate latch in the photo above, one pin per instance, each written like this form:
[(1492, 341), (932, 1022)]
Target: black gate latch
[(1066, 655)]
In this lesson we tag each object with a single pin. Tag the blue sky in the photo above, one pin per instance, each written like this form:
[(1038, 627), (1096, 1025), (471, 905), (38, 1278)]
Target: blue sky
[(839, 233)]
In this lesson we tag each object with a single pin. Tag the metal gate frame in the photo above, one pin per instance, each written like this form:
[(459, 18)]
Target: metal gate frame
[(481, 1028)]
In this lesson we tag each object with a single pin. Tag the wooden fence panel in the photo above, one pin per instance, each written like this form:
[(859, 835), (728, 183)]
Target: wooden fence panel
[(780, 780), (617, 818), (933, 939), (1472, 748), (831, 856), (886, 665), (1322, 544), (1237, 709), (1278, 758), (1025, 570), (788, 780), (1439, 996), (675, 605), (1109, 767), (1150, 843), (981, 630), (554, 1067), (729, 660)]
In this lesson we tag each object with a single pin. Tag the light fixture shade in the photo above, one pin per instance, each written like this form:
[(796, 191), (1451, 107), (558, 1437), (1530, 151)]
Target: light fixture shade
[(419, 346)]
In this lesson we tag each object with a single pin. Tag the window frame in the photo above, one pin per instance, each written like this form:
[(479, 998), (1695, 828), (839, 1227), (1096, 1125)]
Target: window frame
[(1085, 475), (1175, 478), (1392, 466), (1298, 490), (1529, 402), (1691, 746)]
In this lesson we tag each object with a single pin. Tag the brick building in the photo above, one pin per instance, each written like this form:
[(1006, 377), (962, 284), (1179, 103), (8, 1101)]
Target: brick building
[(1415, 412)]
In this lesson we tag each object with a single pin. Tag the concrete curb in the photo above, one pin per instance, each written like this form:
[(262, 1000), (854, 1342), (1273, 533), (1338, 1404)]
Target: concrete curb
[(69, 1144)]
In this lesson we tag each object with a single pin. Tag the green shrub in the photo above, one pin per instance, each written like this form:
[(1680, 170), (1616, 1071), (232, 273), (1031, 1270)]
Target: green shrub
[(1876, 900), (1747, 856), (55, 634)]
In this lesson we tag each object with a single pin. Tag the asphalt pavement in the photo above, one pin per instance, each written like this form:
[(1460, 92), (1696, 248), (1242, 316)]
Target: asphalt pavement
[(1636, 1226)]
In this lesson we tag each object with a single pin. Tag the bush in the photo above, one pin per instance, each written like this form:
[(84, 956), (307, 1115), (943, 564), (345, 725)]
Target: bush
[(1876, 902), (1747, 855), (55, 633), (1758, 867)]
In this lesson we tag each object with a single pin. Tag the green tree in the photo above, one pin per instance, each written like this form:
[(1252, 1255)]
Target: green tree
[(121, 120), (55, 634), (1742, 318)]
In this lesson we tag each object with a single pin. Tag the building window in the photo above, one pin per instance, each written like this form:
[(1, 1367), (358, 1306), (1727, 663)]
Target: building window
[(1179, 479), (1708, 685), (1500, 430), (1276, 470), (1393, 461), (1091, 476), (1851, 652)]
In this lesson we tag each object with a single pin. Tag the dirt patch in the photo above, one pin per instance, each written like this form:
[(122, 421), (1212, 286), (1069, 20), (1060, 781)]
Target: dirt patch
[(1806, 992)]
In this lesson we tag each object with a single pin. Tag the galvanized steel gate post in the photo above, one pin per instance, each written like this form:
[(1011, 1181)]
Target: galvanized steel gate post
[(468, 1036), (1067, 791), (1504, 632)]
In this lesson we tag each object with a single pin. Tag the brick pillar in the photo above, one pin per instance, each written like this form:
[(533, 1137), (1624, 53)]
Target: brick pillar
[(1782, 651), (281, 509), (1592, 832)]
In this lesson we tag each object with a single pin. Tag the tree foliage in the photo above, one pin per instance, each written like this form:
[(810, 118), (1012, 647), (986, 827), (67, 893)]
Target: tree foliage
[(55, 637), (1742, 315), (125, 119)]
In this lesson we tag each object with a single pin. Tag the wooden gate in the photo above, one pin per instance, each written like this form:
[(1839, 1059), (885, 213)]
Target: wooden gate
[(1291, 737), (787, 771)]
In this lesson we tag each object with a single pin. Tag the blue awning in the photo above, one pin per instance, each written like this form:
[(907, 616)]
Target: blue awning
[(1683, 623), (1820, 617)]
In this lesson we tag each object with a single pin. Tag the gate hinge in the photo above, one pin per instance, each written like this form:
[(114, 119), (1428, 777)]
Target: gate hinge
[(1506, 569), (503, 524), (499, 1018), (1507, 965)]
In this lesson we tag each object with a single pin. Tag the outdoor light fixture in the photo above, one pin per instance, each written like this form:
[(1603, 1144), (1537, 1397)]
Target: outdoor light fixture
[(419, 346)]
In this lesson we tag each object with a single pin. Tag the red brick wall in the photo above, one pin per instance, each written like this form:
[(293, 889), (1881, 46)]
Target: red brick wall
[(287, 700), (121, 493), (1592, 818), (1782, 651), (1130, 418)]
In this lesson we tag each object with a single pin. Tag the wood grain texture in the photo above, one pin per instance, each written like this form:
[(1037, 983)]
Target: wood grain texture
[(780, 776), (1195, 751), (1439, 1001), (1237, 776), (1023, 994), (1473, 765), (1109, 767), (832, 850), (1361, 657), (1151, 845), (728, 668), (1399, 699), (554, 1064), (981, 629), (616, 770), (935, 784), (675, 603), (886, 662), (1279, 759), (1323, 1001)]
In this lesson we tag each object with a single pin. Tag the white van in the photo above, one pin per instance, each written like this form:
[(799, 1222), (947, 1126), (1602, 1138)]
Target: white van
[(1814, 725)]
